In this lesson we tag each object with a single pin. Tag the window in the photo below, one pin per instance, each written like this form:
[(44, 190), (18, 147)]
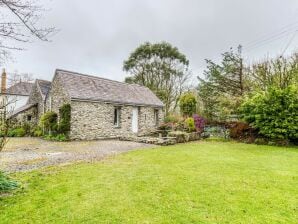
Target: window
[(156, 118), (117, 116), (29, 117)]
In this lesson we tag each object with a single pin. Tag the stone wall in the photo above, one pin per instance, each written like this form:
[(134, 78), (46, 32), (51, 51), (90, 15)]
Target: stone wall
[(22, 117), (57, 96), (35, 97), (147, 122), (94, 120)]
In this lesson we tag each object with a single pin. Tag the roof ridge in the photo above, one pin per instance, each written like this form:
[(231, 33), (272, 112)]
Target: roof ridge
[(43, 80), (97, 77)]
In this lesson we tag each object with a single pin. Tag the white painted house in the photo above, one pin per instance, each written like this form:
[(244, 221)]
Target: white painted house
[(16, 96)]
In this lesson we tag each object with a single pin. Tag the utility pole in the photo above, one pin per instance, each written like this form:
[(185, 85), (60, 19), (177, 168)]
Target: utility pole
[(240, 70)]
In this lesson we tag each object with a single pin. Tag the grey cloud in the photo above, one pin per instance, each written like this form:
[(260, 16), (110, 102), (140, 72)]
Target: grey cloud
[(96, 36)]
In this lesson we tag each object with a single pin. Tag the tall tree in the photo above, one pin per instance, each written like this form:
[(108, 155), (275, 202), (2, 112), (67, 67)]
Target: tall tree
[(160, 67), (223, 85), (19, 23)]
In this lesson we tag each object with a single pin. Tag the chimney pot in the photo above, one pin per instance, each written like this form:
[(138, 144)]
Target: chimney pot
[(3, 81)]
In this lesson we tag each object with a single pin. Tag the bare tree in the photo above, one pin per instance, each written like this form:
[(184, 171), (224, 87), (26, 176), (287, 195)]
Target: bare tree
[(279, 72), (16, 77), (5, 122), (19, 23)]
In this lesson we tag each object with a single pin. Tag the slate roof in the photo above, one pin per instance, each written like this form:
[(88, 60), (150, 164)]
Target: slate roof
[(93, 88), (21, 88), (44, 86), (21, 109)]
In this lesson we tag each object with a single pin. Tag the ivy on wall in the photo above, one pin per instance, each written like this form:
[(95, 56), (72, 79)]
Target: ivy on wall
[(64, 119)]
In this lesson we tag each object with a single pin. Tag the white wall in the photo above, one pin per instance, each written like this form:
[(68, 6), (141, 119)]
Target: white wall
[(17, 101)]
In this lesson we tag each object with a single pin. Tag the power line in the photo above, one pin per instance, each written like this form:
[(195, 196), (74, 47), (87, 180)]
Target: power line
[(270, 39), (290, 41), (282, 29)]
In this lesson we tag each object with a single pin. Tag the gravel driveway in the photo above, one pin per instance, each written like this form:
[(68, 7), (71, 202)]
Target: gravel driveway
[(23, 154)]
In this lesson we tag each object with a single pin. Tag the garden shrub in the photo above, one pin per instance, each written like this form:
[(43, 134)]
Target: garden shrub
[(17, 132), (261, 141), (49, 122), (172, 119), (61, 138), (199, 123), (37, 132), (65, 116), (273, 113), (6, 184), (242, 131), (28, 128), (190, 124), (58, 137), (188, 104)]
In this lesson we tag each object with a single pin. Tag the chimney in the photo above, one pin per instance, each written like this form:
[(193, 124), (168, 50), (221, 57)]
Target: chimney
[(3, 81)]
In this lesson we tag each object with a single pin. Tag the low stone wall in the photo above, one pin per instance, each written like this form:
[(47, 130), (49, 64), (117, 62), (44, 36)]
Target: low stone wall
[(184, 136), (151, 140), (173, 138)]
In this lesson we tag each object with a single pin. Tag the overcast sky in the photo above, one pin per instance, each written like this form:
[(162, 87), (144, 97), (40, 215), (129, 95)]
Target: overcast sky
[(96, 36)]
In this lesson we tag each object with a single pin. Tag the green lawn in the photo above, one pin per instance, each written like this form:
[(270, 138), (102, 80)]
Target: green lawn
[(201, 182)]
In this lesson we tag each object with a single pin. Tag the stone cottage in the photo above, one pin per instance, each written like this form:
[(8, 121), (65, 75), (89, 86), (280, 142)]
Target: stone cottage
[(35, 106), (100, 108)]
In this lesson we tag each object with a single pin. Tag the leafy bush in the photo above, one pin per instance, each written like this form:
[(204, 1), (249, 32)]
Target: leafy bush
[(242, 131), (65, 116), (59, 137), (188, 104), (17, 132), (199, 123), (6, 184), (273, 113), (190, 124), (27, 127), (261, 141), (49, 122), (172, 119), (37, 132)]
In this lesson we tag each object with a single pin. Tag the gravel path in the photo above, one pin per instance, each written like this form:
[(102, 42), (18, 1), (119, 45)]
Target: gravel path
[(22, 154)]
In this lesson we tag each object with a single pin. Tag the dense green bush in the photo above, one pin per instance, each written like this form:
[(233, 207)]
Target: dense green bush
[(6, 184), (58, 137), (190, 124), (16, 132), (273, 113), (37, 131), (188, 104), (49, 122), (65, 116)]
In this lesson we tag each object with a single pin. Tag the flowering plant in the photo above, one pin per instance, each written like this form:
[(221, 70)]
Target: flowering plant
[(199, 123)]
